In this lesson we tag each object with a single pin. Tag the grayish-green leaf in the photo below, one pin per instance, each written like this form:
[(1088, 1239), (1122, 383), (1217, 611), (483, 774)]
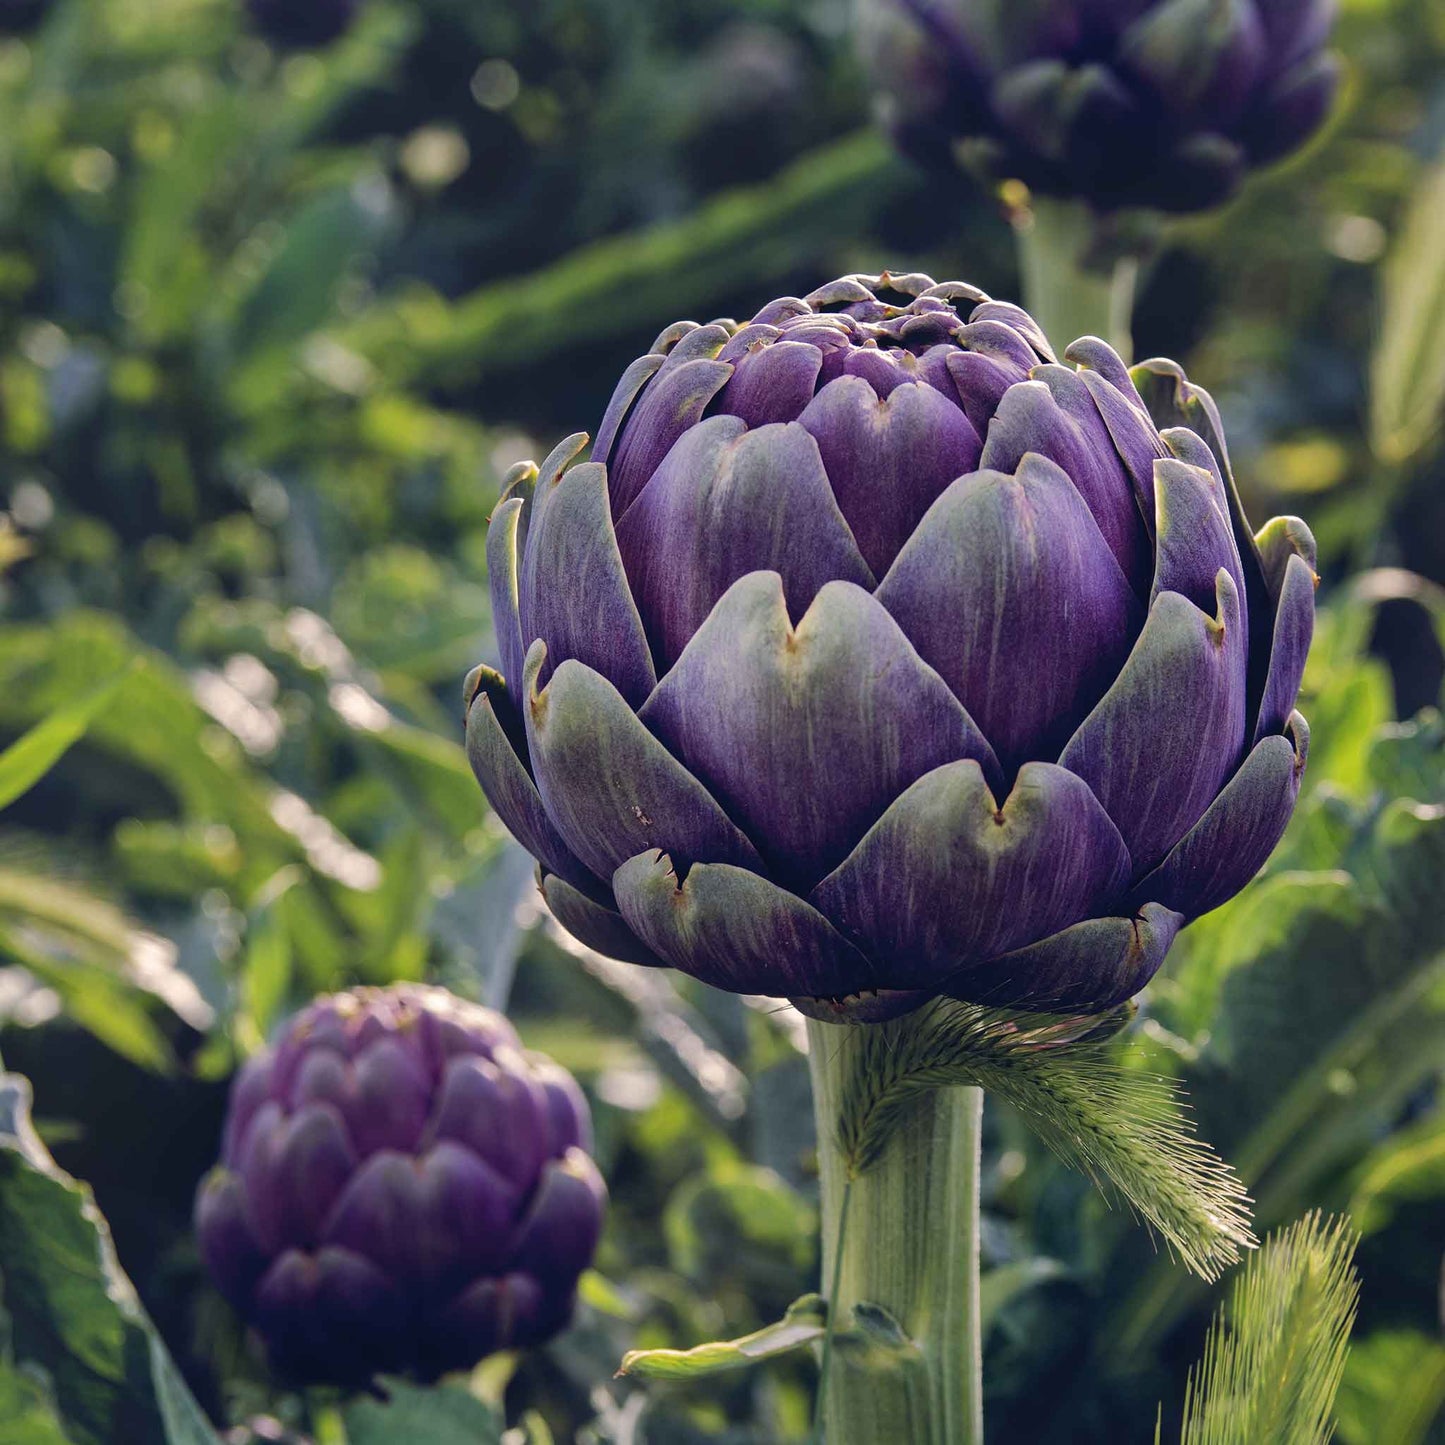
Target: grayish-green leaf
[(442, 1415), (73, 1314), (803, 1324)]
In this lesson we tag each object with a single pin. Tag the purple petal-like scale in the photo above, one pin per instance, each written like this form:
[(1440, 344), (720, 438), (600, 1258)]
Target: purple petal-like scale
[(610, 786), (1089, 967), (571, 545), (331, 1315), (1055, 415), (888, 458), (293, 1171), (595, 925), (1010, 593), (728, 501), (1294, 625), (1193, 540), (948, 876), (512, 793), (770, 384), (806, 734), (504, 577), (569, 1120), (668, 406), (735, 930), (1238, 832), (499, 1114), (425, 1218), (226, 1237), (558, 1234), (1168, 733)]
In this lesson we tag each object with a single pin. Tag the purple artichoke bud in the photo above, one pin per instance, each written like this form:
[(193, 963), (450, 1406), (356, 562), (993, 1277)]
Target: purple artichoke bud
[(1164, 104), (875, 654), (401, 1188), (303, 24)]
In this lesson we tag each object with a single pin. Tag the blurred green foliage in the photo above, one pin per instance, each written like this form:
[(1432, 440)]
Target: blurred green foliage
[(272, 325)]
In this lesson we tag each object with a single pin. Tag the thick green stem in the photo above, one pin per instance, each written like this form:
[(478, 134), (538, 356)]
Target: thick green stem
[(1063, 291), (908, 1257)]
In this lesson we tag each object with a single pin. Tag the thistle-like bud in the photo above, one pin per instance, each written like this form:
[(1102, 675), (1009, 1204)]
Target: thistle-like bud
[(401, 1189)]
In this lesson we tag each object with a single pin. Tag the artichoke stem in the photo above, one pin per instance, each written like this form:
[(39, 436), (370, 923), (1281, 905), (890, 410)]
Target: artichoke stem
[(906, 1357), (1068, 287)]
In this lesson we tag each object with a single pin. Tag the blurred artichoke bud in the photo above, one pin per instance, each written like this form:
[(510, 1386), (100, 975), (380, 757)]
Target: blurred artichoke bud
[(876, 654), (1164, 104), (401, 1189), (303, 23)]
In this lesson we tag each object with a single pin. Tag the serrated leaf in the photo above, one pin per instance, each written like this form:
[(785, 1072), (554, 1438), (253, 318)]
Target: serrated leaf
[(409, 1415), (1126, 1129), (804, 1324), (1276, 1352), (73, 1314)]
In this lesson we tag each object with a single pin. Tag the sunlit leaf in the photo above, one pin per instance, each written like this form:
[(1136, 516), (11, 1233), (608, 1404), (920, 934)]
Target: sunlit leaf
[(802, 1325), (27, 760)]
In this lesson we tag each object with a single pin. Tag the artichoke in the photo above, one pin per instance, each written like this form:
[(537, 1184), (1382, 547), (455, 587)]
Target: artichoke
[(1164, 104), (875, 654), (401, 1189), (302, 24)]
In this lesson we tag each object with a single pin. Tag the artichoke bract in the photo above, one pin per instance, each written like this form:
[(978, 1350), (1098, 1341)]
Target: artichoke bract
[(401, 1189), (876, 654), (1165, 104)]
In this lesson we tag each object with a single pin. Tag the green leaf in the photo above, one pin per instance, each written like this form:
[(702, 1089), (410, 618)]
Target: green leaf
[(1393, 1390), (619, 286), (1407, 369), (441, 1415), (1124, 1128), (27, 1413), (27, 760), (1409, 1166), (1276, 1353), (803, 1324), (73, 1314)]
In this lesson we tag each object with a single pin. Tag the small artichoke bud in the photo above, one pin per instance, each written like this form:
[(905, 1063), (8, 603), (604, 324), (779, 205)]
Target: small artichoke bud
[(302, 24), (1163, 104), (880, 652), (401, 1189)]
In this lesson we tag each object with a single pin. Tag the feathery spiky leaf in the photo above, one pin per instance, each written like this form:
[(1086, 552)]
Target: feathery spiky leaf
[(1276, 1352), (1126, 1129)]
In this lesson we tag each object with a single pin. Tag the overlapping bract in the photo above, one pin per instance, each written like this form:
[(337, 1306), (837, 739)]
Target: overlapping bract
[(401, 1189), (876, 654), (1165, 104)]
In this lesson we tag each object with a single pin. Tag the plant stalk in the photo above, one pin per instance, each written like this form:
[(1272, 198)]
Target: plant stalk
[(906, 1357), (1064, 289)]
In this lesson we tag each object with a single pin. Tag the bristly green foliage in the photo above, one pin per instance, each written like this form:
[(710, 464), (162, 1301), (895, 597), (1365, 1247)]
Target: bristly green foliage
[(1276, 1353), (1127, 1130)]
